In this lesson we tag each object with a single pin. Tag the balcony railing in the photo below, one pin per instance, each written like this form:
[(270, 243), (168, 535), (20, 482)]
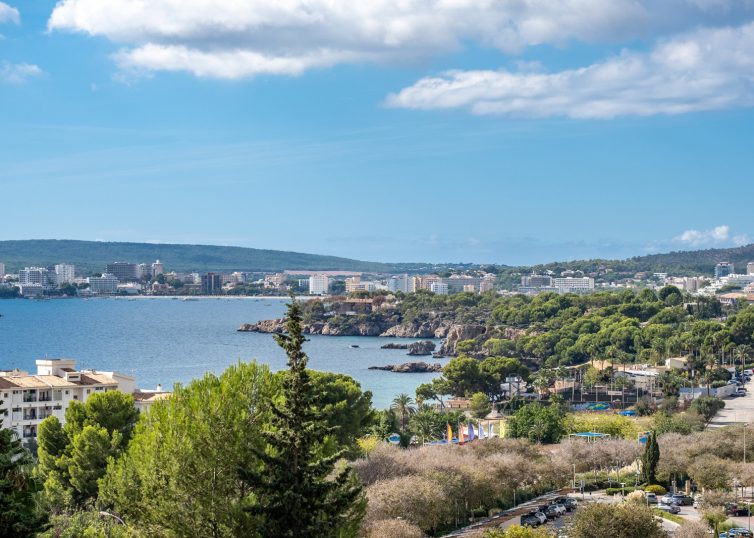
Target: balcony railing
[(30, 398), (45, 398)]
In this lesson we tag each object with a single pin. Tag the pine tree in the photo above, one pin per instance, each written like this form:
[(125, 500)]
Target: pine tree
[(18, 510), (649, 459), (295, 490)]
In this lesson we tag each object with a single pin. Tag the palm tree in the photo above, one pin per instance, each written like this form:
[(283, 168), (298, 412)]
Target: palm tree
[(403, 406), (422, 424)]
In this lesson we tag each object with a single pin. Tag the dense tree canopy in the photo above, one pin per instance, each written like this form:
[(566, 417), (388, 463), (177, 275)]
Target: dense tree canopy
[(72, 458)]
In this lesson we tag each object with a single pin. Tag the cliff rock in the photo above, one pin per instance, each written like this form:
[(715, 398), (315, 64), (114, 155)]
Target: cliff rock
[(423, 347), (458, 333), (410, 368)]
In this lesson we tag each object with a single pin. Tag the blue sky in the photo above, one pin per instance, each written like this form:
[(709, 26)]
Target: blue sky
[(508, 132)]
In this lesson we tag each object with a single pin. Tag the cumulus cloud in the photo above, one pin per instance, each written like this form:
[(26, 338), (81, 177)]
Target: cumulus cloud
[(706, 69), (17, 73), (9, 14), (242, 38), (717, 236)]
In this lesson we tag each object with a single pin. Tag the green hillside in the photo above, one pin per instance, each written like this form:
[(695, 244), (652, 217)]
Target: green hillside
[(92, 256), (680, 263)]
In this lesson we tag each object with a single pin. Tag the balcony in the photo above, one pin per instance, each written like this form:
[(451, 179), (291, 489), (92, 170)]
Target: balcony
[(45, 398), (28, 398)]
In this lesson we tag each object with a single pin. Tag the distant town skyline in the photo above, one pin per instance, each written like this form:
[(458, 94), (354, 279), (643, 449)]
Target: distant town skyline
[(441, 132)]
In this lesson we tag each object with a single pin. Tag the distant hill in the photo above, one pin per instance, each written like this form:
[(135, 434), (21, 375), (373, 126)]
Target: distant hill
[(690, 262), (92, 256)]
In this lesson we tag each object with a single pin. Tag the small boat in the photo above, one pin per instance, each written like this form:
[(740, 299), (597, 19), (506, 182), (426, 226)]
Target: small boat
[(354, 346)]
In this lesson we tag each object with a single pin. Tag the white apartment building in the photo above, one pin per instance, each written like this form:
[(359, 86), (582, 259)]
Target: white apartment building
[(487, 283), (749, 269), (356, 284), (2, 270), (31, 290), (37, 275), (440, 288), (103, 285), (157, 268), (65, 273), (319, 284), (275, 281), (401, 283), (29, 399), (573, 284)]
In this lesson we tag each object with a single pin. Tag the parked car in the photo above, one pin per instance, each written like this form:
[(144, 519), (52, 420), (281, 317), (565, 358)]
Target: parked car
[(650, 497), (554, 511), (530, 520), (738, 510), (678, 498), (739, 532), (748, 372), (541, 517), (740, 391), (570, 504), (671, 508)]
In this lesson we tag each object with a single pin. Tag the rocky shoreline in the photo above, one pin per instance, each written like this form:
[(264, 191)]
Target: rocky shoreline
[(450, 333), (410, 368)]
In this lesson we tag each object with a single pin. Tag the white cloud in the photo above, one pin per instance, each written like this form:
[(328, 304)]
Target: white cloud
[(242, 38), (9, 14), (717, 236), (706, 69), (17, 73)]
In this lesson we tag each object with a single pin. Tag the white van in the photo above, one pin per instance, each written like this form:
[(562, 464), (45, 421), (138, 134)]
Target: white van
[(749, 373)]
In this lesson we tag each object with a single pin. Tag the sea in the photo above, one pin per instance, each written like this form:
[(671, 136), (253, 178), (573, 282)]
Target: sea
[(169, 340)]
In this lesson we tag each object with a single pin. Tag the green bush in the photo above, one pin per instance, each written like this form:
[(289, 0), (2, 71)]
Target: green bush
[(618, 491), (656, 489)]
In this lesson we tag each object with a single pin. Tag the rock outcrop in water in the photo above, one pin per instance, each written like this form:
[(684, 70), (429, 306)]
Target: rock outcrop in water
[(423, 347), (317, 327), (410, 368), (393, 345)]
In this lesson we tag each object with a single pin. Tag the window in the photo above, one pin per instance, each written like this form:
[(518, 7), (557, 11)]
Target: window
[(88, 391)]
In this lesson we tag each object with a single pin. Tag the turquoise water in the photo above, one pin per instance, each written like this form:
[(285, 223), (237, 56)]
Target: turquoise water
[(166, 341)]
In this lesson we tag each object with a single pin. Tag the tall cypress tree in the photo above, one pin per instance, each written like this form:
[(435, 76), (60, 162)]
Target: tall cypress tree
[(649, 459), (295, 490)]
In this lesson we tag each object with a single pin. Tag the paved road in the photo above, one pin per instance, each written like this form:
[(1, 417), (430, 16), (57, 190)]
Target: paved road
[(736, 411)]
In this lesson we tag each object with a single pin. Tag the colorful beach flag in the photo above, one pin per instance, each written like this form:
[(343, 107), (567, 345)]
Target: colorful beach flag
[(450, 434), (489, 430), (471, 432), (480, 429), (461, 439)]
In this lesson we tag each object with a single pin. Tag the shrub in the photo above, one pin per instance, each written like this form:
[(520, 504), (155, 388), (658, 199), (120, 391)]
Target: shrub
[(656, 489), (616, 425), (615, 520), (396, 528), (618, 491)]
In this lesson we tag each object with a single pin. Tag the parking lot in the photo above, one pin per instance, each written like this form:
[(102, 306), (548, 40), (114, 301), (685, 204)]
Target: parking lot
[(738, 410)]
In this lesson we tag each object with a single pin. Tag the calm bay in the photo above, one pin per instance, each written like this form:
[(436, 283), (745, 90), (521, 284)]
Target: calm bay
[(165, 340)]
